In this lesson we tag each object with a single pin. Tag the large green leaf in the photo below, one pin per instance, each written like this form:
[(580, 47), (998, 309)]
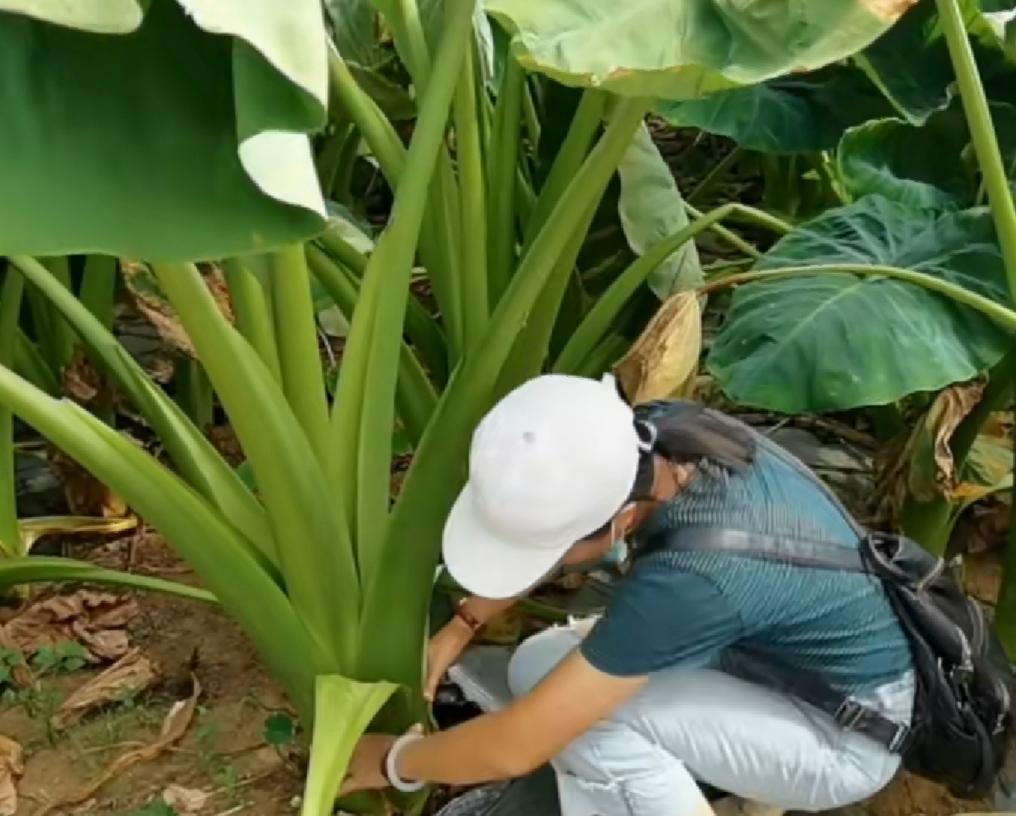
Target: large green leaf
[(651, 208), (829, 342), (683, 49), (184, 136), (791, 114), (913, 165), (911, 61)]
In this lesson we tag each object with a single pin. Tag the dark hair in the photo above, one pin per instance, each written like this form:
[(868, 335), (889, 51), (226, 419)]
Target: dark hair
[(684, 433)]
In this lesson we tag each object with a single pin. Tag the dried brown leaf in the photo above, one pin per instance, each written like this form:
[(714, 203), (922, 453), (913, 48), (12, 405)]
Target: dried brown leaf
[(185, 800), (11, 769), (665, 357), (175, 725), (83, 382), (129, 675), (932, 470), (96, 620)]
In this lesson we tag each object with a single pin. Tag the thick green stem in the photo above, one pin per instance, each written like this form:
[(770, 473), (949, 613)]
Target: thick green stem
[(421, 327), (194, 393), (377, 131), (10, 309), (472, 208), (1002, 315), (439, 235), (732, 238), (314, 549), (602, 316), (415, 397), (253, 315), (192, 453), (60, 337), (98, 287), (30, 364), (502, 160), (436, 474), (296, 338), (403, 16), (581, 133), (343, 709), (369, 372), (533, 343), (982, 133)]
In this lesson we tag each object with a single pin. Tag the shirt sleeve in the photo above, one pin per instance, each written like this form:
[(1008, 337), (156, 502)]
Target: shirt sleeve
[(662, 618)]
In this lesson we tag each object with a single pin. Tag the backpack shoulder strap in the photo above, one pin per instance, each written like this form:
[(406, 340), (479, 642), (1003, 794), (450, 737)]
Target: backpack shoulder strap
[(795, 464), (801, 551)]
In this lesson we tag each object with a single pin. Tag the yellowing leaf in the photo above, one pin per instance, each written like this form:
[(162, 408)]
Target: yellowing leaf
[(666, 356)]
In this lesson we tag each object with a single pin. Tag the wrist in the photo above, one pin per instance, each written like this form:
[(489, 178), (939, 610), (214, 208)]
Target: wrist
[(391, 766), (467, 623)]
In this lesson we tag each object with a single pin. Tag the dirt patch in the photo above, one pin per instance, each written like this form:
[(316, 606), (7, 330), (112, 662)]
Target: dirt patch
[(223, 751)]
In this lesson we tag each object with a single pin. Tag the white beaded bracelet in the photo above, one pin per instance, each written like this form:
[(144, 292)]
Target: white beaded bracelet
[(392, 774)]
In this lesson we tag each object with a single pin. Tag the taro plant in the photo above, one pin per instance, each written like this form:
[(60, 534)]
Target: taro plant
[(331, 578), (830, 318)]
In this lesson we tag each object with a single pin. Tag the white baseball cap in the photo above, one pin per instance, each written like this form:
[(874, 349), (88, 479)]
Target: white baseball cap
[(551, 463)]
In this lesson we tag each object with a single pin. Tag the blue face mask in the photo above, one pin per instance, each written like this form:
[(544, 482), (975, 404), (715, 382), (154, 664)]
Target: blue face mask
[(617, 554)]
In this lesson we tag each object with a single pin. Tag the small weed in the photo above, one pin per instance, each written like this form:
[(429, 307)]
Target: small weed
[(157, 807), (210, 759), (60, 658), (10, 659)]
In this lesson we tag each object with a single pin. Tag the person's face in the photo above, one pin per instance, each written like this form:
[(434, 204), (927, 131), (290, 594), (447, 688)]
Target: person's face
[(594, 548)]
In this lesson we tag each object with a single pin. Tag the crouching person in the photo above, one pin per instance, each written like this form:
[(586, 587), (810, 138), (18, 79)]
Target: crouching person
[(664, 692)]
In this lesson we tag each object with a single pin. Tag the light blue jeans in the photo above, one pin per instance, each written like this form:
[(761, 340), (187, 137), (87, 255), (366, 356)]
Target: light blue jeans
[(702, 724)]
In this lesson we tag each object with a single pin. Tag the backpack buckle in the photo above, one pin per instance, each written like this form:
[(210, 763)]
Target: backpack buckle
[(899, 738), (849, 713)]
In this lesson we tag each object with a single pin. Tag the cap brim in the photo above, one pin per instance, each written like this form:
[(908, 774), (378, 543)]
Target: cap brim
[(487, 564)]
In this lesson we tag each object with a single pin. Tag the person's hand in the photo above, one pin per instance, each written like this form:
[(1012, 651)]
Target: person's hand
[(443, 650), (366, 768)]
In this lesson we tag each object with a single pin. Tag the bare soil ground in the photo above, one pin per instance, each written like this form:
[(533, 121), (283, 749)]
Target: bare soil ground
[(223, 751)]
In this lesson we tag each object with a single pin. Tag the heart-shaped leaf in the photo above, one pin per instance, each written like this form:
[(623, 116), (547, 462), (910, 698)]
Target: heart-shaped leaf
[(920, 166), (684, 49), (828, 342)]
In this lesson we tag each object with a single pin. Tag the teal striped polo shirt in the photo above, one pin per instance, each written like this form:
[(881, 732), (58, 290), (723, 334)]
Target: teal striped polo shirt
[(686, 608)]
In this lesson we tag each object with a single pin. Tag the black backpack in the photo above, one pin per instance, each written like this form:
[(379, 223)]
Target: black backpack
[(962, 720)]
